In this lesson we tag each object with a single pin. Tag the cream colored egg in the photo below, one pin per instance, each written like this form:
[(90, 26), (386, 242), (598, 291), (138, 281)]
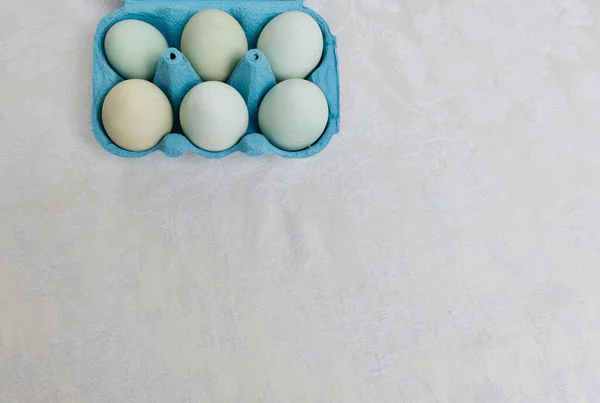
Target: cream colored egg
[(293, 44), (136, 115), (293, 115), (133, 48), (214, 43), (214, 116)]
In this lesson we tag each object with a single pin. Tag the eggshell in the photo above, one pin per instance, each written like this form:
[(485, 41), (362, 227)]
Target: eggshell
[(136, 115), (214, 116), (293, 115), (214, 42), (293, 44), (133, 49)]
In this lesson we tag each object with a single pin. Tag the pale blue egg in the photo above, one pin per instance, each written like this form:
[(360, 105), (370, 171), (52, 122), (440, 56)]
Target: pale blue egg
[(214, 116), (293, 115), (133, 49), (293, 44)]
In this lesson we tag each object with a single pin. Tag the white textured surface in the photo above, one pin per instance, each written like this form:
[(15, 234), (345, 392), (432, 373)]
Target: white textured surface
[(444, 248)]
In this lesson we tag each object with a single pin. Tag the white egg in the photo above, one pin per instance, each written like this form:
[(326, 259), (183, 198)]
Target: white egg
[(133, 49), (293, 115), (214, 116), (214, 43), (293, 44), (136, 115)]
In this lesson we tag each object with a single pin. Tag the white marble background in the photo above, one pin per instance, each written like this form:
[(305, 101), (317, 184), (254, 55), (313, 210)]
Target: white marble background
[(444, 248)]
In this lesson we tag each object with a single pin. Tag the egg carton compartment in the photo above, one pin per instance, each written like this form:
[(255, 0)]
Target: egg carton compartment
[(252, 77)]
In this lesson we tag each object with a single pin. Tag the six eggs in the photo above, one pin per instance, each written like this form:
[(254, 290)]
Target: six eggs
[(213, 115)]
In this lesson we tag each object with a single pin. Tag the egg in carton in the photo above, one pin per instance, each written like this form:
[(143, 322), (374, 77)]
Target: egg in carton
[(252, 78)]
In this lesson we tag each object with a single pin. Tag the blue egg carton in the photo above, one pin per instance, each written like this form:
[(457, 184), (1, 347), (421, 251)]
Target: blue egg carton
[(253, 76)]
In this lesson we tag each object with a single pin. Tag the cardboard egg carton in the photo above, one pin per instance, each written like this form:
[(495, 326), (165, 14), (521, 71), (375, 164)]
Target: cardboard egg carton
[(252, 77)]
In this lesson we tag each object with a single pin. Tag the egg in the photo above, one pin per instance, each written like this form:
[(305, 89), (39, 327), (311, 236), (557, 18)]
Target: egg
[(214, 43), (293, 115), (293, 44), (214, 116), (136, 115), (133, 49)]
